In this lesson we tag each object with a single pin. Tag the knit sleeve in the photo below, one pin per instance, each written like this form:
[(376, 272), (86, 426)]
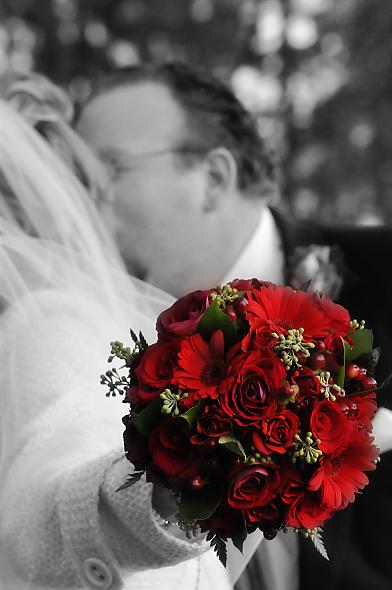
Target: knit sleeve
[(63, 459)]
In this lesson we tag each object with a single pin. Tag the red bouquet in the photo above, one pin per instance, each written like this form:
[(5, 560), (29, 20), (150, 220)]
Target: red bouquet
[(250, 407)]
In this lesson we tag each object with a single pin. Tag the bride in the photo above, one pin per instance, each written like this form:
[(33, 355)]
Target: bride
[(64, 295)]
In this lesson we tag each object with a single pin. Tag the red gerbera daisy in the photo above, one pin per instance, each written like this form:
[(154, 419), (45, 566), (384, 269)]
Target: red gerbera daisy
[(307, 512), (277, 309), (338, 316), (360, 409), (201, 365), (339, 478)]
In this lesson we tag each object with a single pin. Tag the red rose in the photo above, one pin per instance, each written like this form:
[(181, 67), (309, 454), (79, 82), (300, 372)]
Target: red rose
[(156, 366), (171, 449), (225, 521), (304, 509), (142, 396), (154, 371), (359, 408), (307, 512), (307, 382), (211, 425), (339, 478), (329, 424), (259, 339), (202, 365), (268, 514), (335, 352), (276, 434), (292, 484), (252, 394), (255, 485), (136, 445), (183, 317)]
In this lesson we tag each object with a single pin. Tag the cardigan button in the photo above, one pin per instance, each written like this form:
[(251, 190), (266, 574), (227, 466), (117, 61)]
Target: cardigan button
[(97, 573)]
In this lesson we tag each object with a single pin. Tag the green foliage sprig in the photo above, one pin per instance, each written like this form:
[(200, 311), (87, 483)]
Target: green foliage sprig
[(218, 542), (117, 384), (132, 479)]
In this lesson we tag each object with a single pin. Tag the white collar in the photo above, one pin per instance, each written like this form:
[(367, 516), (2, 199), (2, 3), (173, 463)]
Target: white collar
[(263, 256)]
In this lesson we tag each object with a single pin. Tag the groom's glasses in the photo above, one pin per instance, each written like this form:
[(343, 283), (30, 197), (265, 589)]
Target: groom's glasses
[(120, 162)]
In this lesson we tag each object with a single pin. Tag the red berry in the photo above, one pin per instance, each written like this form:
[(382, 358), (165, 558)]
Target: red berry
[(196, 483), (287, 390), (304, 360), (320, 345), (367, 383), (241, 304), (352, 371), (317, 361), (231, 312)]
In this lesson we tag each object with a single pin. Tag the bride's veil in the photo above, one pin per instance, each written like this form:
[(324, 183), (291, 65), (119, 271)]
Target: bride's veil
[(51, 234), (53, 242), (52, 237)]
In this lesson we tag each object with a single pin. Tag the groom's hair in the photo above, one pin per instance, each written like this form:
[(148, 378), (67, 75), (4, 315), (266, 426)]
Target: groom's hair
[(215, 117)]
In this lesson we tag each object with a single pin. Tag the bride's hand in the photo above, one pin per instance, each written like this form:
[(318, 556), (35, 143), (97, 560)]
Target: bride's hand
[(382, 429)]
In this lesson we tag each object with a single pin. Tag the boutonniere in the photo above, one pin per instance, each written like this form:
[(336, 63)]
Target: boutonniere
[(321, 266)]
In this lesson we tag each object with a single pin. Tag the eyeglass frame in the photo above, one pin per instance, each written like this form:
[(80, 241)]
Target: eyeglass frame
[(123, 163)]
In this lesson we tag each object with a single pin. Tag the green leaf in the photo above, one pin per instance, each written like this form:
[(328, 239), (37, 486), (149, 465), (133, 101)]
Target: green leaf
[(219, 545), (342, 371), (362, 344), (132, 479), (239, 537), (143, 341), (215, 319), (305, 286), (385, 383), (317, 541), (133, 336), (200, 504), (232, 444), (193, 412), (145, 420)]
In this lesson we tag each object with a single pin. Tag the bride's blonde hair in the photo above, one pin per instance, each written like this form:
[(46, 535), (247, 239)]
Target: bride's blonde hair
[(49, 110), (52, 235)]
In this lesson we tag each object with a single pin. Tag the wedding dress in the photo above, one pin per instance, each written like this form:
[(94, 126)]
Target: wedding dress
[(64, 295)]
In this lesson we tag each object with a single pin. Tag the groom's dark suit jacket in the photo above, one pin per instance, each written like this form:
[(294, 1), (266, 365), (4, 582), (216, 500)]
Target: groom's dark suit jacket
[(358, 539)]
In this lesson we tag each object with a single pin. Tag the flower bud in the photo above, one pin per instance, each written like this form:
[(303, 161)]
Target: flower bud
[(352, 371)]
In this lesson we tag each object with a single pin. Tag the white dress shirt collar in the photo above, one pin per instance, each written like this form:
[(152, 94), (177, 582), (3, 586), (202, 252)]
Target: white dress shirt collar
[(262, 257)]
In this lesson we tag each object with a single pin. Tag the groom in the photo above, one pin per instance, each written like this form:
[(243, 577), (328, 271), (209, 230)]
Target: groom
[(192, 182)]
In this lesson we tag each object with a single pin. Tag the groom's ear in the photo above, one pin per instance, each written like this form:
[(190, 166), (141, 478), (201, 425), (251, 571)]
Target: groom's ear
[(221, 168)]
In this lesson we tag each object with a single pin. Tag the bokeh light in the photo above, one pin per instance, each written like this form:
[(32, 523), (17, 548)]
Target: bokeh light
[(301, 31), (317, 82)]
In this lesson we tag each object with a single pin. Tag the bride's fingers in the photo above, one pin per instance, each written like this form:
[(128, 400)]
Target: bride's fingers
[(382, 429)]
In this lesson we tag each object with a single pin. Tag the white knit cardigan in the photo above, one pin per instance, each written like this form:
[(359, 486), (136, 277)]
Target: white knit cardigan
[(62, 460)]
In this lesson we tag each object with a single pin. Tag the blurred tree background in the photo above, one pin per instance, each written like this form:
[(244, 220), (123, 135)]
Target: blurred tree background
[(317, 73)]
